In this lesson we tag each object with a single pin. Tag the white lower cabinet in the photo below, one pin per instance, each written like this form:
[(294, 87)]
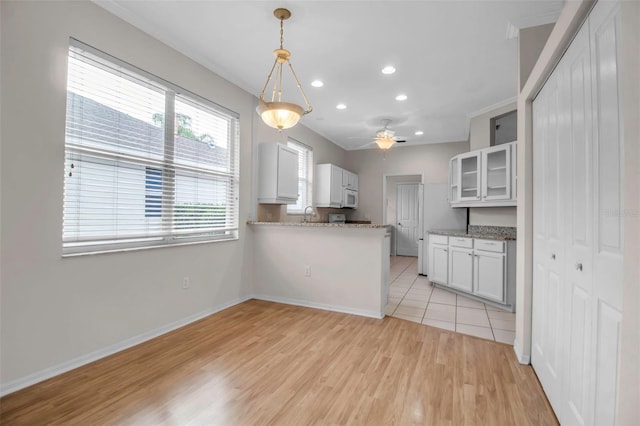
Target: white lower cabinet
[(438, 258), (483, 269), (488, 275)]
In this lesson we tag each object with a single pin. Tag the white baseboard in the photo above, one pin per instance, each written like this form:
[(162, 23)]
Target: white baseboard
[(47, 373), (307, 304), (522, 358)]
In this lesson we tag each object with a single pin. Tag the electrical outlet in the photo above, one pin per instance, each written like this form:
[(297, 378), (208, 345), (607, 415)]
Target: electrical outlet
[(185, 283), (307, 271)]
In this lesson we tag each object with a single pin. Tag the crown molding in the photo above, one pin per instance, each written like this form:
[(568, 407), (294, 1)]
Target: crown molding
[(492, 107), (514, 25)]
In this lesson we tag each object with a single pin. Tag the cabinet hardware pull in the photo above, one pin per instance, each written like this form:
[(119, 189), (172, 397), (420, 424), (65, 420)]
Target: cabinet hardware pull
[(553, 256), (579, 266)]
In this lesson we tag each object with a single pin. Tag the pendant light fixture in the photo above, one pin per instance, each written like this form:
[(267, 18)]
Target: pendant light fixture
[(276, 113)]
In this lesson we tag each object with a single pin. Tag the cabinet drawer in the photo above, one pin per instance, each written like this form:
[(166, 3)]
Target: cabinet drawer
[(461, 242), (438, 239), (490, 245)]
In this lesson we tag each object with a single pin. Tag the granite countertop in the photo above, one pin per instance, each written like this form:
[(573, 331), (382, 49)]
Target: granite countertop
[(320, 225), (500, 233)]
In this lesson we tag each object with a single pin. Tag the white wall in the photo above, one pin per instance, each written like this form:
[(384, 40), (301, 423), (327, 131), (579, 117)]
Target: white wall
[(629, 378), (430, 161), (55, 310), (530, 43), (480, 126), (347, 267)]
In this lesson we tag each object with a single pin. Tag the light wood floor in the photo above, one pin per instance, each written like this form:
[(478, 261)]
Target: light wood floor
[(262, 363)]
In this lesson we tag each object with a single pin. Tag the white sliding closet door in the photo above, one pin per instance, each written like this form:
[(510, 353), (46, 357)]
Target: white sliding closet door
[(547, 308), (608, 209), (578, 234)]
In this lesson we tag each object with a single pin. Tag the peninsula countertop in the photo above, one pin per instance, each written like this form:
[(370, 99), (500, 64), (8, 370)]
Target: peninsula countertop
[(489, 234), (320, 224)]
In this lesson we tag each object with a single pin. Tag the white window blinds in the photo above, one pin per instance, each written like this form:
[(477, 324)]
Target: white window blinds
[(134, 178), (305, 177)]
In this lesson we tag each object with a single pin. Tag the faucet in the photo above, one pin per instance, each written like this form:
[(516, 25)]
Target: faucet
[(305, 213)]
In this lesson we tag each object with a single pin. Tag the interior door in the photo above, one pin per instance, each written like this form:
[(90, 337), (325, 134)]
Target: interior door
[(547, 308), (407, 214)]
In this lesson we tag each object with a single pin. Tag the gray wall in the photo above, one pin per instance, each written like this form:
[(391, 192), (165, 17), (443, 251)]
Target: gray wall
[(54, 309), (430, 161)]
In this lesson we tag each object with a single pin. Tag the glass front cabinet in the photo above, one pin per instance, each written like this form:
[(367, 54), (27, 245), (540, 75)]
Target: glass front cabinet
[(484, 178)]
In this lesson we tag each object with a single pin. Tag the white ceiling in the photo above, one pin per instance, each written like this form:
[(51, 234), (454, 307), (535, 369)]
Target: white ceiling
[(453, 58)]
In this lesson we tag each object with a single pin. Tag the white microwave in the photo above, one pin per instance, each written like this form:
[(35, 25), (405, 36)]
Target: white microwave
[(350, 199)]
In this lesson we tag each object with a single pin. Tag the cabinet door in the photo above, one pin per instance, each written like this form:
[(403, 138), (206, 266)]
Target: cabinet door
[(287, 172), (489, 273), (345, 179), (461, 268), (454, 180), (438, 263), (336, 185), (354, 181), (469, 171), (496, 173)]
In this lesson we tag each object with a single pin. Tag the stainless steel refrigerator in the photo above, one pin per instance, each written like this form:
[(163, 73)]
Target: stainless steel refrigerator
[(436, 213)]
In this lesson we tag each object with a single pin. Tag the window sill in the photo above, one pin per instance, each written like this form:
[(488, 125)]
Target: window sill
[(155, 246)]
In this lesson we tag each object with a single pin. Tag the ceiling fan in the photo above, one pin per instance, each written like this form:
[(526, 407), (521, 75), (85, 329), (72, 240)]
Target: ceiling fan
[(386, 137)]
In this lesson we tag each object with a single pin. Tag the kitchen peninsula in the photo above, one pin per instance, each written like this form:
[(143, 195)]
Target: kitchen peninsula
[(337, 267)]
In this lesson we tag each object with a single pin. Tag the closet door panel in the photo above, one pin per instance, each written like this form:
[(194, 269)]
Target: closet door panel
[(548, 286), (608, 208), (608, 164), (607, 348), (577, 156)]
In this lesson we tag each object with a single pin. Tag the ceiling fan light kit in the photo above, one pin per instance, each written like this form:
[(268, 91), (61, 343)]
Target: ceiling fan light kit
[(385, 142), (276, 113)]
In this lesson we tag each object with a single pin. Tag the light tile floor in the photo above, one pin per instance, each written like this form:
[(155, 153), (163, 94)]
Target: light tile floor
[(412, 297)]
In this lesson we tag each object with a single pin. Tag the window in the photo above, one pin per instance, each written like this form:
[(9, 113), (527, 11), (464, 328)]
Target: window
[(305, 177), (134, 178)]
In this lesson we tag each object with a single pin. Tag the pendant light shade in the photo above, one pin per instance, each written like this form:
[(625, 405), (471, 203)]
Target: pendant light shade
[(280, 115), (276, 113)]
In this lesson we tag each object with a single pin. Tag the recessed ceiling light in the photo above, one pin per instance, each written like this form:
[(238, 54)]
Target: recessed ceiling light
[(389, 69), (317, 83), (341, 106), (402, 97), (419, 133)]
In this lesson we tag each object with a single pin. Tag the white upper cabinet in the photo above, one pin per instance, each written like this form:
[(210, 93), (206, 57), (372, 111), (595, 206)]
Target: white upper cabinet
[(331, 181), (469, 165), (496, 173), (484, 178), (349, 180), (278, 174)]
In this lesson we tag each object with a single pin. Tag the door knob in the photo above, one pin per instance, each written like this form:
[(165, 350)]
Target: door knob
[(553, 256), (399, 224), (579, 266)]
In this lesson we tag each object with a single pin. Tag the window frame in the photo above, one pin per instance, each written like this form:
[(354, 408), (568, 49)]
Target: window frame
[(170, 235), (308, 179)]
